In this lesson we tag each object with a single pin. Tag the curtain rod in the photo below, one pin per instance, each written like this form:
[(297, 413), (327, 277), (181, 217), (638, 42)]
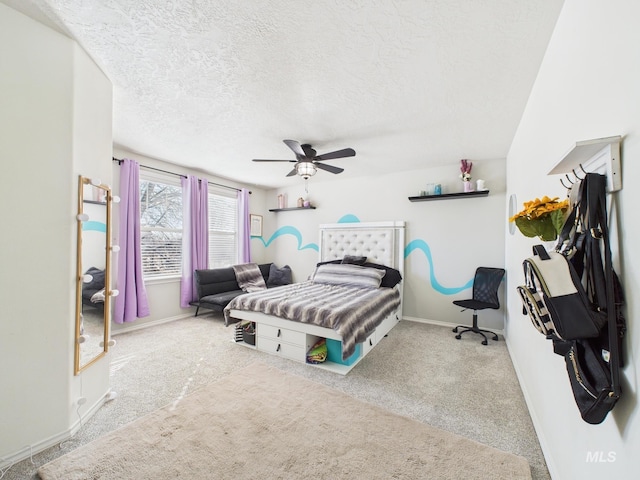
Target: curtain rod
[(177, 174)]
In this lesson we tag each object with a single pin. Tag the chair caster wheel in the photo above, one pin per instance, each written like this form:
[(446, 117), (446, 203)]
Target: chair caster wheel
[(484, 342), (496, 338), (458, 337), (455, 330)]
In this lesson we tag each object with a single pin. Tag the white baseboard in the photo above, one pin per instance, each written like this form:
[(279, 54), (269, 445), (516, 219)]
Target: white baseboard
[(57, 439), (30, 450), (446, 324), (544, 445), (152, 323)]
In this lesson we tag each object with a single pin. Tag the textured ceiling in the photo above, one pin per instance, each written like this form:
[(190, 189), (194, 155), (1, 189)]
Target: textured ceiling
[(211, 84)]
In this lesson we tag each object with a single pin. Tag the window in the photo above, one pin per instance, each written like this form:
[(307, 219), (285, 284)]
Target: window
[(223, 227), (160, 225)]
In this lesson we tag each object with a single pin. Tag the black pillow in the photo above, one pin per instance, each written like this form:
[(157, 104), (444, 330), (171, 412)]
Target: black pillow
[(279, 276), (391, 278), (329, 262), (354, 260)]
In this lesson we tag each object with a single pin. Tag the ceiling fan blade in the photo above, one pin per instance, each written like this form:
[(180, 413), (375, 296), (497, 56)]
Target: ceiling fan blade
[(292, 173), (267, 160), (308, 150), (346, 152), (296, 147), (328, 168)]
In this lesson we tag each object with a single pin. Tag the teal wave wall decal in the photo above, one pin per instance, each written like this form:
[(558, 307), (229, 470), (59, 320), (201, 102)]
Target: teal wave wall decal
[(349, 219), (94, 226), (424, 248), (289, 230), (419, 244)]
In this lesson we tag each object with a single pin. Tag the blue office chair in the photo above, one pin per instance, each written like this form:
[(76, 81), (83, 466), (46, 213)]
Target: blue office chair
[(485, 295)]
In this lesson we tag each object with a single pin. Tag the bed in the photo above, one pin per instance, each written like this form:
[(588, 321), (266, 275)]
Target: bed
[(341, 303)]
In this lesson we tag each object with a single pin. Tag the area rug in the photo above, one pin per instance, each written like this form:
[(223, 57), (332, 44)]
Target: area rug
[(261, 422)]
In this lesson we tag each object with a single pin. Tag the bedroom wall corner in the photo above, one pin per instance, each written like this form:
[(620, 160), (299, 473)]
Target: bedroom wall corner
[(585, 89), (92, 151), (42, 79)]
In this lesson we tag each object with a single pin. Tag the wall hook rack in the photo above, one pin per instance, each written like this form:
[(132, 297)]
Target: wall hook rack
[(601, 155), (575, 175)]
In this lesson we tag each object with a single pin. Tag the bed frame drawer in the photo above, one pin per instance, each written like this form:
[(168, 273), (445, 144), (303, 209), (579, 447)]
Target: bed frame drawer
[(275, 347), (281, 334), (369, 343)]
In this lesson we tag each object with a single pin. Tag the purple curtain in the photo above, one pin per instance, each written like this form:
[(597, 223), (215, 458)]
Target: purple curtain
[(195, 239), (131, 302), (244, 238)]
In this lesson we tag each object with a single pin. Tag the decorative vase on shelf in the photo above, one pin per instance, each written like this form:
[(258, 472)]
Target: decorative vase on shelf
[(465, 175)]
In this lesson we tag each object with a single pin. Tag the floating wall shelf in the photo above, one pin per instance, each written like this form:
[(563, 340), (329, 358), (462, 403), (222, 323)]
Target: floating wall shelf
[(601, 155), (447, 196), (291, 208)]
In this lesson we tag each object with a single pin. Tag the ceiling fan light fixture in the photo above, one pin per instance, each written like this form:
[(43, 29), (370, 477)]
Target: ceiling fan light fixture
[(307, 162), (306, 169)]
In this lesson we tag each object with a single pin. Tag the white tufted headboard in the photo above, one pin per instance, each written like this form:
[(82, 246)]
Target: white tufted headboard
[(380, 242)]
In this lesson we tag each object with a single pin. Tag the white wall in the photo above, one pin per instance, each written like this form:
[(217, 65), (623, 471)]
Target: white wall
[(55, 120), (461, 234), (587, 88), (92, 145)]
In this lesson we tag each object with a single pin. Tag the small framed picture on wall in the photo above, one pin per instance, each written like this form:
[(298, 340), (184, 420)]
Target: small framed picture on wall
[(255, 225)]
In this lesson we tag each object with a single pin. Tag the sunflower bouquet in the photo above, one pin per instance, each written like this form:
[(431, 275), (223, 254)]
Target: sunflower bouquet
[(542, 218)]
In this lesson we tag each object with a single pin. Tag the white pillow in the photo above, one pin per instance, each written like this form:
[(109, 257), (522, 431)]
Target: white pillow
[(348, 274), (98, 297)]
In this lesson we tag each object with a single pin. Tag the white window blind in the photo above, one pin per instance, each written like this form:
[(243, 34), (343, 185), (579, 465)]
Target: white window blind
[(160, 225), (223, 227)]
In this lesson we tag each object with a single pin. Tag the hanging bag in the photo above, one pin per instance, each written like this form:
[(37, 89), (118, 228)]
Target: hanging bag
[(575, 320), (555, 299), (591, 380), (593, 365)]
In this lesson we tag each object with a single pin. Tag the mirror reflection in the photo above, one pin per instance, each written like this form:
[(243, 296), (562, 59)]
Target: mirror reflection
[(93, 268)]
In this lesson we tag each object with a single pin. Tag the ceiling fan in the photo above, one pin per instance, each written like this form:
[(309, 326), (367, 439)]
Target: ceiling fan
[(307, 161)]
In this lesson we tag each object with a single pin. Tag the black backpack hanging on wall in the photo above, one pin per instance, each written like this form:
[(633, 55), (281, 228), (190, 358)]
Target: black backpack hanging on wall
[(589, 334), (555, 299)]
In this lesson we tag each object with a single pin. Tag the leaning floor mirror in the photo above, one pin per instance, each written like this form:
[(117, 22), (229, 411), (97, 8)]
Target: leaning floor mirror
[(93, 291)]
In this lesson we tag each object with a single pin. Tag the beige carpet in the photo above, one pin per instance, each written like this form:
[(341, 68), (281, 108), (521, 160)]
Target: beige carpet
[(261, 422)]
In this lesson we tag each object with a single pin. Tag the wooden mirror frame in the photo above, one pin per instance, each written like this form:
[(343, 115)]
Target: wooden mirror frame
[(106, 200)]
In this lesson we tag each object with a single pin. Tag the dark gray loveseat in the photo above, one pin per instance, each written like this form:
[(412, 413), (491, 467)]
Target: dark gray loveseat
[(216, 287)]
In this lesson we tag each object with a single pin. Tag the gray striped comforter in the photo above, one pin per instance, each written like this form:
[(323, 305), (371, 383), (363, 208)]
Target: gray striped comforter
[(352, 312)]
